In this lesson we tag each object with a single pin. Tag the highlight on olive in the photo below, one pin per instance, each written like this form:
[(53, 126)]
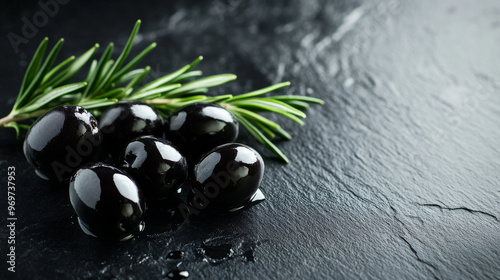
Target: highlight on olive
[(158, 167), (226, 178), (62, 140), (126, 120), (199, 127), (108, 202)]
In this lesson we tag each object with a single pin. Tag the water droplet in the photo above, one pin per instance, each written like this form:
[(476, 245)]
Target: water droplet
[(257, 198), (177, 274), (142, 226), (248, 256), (217, 252), (73, 219), (175, 255), (85, 229)]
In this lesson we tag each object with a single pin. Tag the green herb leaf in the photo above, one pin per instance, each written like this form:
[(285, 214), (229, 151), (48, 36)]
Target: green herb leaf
[(306, 99), (132, 63), (168, 78), (78, 64), (47, 97), (96, 71), (98, 103), (154, 92), (33, 67), (137, 79), (109, 73), (32, 86), (188, 75), (211, 81), (260, 91), (56, 69), (129, 76), (269, 105), (255, 132)]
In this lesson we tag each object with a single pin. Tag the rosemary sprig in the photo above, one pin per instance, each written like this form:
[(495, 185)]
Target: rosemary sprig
[(246, 107), (45, 87)]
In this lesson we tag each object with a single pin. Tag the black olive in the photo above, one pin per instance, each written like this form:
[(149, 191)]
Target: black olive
[(226, 178), (199, 127), (107, 201), (62, 140), (126, 120), (158, 167)]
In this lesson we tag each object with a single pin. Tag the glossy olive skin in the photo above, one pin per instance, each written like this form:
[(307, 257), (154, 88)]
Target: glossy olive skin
[(126, 120), (199, 127), (108, 202), (156, 165), (61, 141), (226, 177)]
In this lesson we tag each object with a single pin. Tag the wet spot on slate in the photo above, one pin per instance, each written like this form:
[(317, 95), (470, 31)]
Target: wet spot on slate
[(218, 253), (177, 274), (175, 255)]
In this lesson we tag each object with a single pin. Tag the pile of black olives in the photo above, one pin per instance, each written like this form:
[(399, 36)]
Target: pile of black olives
[(133, 160)]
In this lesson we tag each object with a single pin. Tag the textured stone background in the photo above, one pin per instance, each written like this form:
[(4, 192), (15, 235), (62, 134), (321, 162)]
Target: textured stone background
[(395, 177)]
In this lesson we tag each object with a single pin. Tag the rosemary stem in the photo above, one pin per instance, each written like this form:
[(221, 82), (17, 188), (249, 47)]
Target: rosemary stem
[(231, 108), (8, 119), (161, 101), (226, 106), (12, 117)]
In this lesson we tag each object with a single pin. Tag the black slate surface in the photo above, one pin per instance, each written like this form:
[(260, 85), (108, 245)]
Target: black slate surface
[(395, 177)]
